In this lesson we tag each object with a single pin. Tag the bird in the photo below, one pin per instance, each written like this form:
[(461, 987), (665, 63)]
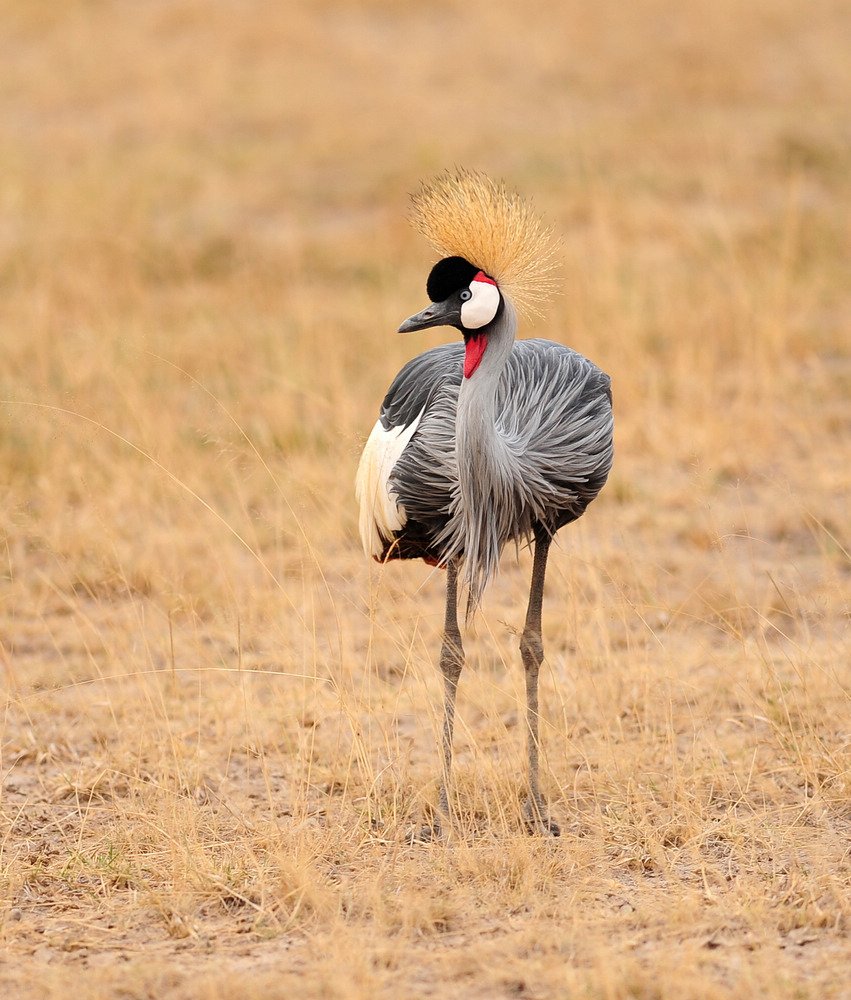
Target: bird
[(487, 441)]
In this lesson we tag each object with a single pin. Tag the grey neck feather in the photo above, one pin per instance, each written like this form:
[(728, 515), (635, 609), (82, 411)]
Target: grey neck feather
[(491, 497)]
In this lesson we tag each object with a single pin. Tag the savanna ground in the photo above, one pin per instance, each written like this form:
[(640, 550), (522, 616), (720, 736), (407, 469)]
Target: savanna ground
[(219, 720)]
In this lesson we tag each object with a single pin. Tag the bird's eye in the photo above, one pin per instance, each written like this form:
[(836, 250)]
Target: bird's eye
[(466, 295)]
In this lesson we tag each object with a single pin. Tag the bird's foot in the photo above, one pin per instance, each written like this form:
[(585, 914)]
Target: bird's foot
[(427, 834), (537, 822)]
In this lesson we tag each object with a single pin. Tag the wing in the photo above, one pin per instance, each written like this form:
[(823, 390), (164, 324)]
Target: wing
[(554, 410), (407, 471), (381, 517)]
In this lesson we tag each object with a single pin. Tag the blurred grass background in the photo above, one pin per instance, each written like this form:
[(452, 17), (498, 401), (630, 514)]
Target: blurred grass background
[(219, 719)]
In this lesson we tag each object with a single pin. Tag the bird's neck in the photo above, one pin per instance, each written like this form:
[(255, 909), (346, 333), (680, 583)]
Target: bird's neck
[(485, 466), (477, 396)]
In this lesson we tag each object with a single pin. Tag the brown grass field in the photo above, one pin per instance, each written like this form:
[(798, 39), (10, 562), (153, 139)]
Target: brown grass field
[(220, 721)]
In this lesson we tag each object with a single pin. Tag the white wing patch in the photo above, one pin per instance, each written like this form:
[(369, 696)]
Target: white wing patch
[(380, 515)]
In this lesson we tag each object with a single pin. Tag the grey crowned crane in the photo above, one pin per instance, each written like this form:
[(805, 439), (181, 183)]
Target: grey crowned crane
[(488, 441)]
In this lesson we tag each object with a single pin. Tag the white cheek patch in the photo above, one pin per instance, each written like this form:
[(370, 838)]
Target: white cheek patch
[(480, 309)]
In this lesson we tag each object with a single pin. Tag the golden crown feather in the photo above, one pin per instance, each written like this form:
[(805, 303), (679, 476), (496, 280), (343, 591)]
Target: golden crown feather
[(465, 213)]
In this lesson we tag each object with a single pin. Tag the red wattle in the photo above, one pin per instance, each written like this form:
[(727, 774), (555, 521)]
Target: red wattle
[(475, 351)]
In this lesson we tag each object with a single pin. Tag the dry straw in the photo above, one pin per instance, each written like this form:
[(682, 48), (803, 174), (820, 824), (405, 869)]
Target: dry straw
[(467, 214)]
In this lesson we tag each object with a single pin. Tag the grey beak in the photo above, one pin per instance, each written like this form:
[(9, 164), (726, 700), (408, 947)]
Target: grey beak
[(437, 314)]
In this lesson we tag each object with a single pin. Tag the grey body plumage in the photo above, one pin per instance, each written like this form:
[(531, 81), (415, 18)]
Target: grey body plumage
[(553, 418)]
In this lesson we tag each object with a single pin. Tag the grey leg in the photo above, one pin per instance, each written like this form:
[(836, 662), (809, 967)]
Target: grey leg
[(532, 653), (451, 664)]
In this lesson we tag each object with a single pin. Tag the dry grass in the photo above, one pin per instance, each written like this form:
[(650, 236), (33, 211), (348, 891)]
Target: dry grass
[(219, 721)]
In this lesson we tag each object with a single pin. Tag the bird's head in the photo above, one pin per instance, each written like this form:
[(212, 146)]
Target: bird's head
[(468, 217), (462, 296)]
